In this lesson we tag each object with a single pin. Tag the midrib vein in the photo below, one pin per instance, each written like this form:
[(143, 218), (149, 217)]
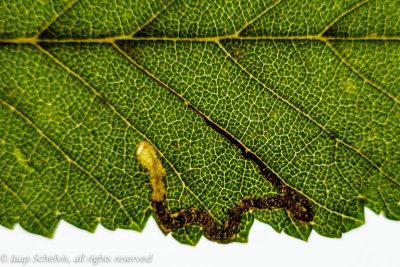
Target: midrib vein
[(33, 40), (216, 40)]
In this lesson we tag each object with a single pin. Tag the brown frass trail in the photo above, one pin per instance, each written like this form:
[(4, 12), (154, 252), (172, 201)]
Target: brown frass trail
[(296, 204)]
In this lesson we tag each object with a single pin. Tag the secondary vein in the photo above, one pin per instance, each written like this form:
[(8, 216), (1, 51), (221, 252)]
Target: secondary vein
[(307, 116), (246, 152)]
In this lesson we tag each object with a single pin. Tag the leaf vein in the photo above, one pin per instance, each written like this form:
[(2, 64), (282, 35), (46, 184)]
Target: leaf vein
[(361, 75), (65, 155), (307, 116), (26, 207), (148, 21), (54, 18), (341, 16), (108, 104), (237, 33), (208, 120)]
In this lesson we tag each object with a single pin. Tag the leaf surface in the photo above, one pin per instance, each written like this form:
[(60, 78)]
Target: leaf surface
[(309, 90)]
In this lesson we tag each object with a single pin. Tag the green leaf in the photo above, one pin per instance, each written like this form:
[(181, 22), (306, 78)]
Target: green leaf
[(290, 106)]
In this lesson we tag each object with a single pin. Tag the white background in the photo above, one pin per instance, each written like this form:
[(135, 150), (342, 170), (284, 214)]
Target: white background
[(377, 243)]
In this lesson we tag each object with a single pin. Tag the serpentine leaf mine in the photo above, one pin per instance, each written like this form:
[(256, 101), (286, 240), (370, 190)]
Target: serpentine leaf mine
[(296, 204)]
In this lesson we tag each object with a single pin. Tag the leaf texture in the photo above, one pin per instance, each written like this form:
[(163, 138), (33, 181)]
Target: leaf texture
[(308, 89)]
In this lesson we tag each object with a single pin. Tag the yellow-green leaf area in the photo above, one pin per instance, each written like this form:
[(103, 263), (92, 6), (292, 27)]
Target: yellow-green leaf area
[(280, 111)]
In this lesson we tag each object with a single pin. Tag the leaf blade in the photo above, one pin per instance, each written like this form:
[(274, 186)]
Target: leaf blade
[(306, 106)]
